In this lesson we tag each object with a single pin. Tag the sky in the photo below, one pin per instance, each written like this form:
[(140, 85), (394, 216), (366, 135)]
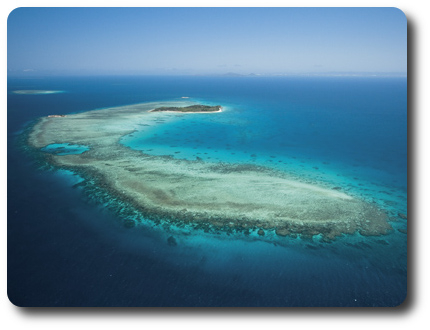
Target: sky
[(164, 41)]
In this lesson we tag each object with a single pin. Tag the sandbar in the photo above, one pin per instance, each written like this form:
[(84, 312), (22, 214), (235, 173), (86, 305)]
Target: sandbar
[(216, 195)]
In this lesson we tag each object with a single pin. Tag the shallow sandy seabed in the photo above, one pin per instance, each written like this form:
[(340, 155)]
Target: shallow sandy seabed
[(221, 195)]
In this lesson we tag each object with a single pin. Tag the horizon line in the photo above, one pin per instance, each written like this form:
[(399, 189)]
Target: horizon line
[(228, 74)]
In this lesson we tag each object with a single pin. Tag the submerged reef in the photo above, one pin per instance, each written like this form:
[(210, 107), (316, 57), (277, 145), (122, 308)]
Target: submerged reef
[(216, 195), (35, 92)]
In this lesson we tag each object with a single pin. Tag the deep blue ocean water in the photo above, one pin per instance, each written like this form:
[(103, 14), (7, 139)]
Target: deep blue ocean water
[(65, 249)]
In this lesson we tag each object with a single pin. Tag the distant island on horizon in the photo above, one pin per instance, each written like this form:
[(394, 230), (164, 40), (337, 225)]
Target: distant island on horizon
[(232, 74)]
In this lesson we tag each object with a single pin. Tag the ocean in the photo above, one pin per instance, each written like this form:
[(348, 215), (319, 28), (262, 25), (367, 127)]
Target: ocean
[(66, 247)]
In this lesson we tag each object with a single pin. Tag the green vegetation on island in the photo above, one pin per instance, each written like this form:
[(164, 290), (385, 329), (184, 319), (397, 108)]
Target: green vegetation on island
[(191, 108)]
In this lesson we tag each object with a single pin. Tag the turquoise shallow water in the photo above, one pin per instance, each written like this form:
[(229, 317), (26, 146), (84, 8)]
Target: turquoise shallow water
[(345, 145), (342, 132)]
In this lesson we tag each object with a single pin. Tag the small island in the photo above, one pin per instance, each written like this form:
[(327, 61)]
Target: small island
[(191, 108)]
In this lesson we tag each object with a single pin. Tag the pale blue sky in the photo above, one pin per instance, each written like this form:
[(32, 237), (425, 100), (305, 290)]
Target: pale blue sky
[(206, 40)]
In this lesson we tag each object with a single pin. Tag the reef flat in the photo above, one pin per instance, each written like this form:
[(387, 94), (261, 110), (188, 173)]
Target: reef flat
[(220, 195)]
